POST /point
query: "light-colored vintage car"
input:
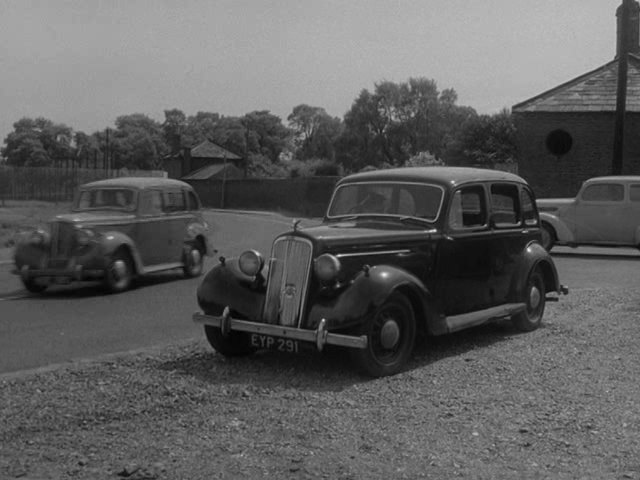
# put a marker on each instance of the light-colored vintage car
(117, 229)
(605, 212)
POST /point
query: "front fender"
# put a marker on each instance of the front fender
(535, 256)
(112, 241)
(563, 232)
(367, 291)
(225, 285)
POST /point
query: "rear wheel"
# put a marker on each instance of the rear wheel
(534, 298)
(390, 335)
(548, 237)
(33, 286)
(193, 261)
(118, 276)
(235, 344)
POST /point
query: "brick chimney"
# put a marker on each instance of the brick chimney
(186, 161)
(633, 31)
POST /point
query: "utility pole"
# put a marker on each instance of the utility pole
(621, 93)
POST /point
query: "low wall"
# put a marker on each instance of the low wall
(307, 196)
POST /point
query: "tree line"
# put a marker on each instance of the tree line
(397, 124)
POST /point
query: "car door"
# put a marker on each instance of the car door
(464, 265)
(151, 238)
(600, 214)
(177, 216)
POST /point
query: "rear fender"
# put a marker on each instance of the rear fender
(563, 232)
(196, 232)
(368, 290)
(535, 257)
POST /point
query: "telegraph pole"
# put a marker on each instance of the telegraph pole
(621, 93)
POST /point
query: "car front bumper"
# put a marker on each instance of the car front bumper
(59, 275)
(320, 336)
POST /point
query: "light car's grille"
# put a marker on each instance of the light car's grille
(289, 270)
(62, 239)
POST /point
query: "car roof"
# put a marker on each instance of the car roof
(137, 183)
(615, 178)
(445, 176)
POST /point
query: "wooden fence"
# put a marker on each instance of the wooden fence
(56, 184)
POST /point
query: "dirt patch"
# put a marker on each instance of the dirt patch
(561, 402)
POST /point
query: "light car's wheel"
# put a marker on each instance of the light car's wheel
(31, 285)
(390, 335)
(548, 237)
(534, 298)
(236, 344)
(118, 275)
(193, 261)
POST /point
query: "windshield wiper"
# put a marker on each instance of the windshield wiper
(415, 221)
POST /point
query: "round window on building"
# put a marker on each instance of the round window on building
(559, 142)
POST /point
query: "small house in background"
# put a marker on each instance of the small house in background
(566, 135)
(207, 159)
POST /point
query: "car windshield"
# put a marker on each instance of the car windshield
(383, 198)
(106, 199)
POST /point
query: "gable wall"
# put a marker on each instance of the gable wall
(590, 155)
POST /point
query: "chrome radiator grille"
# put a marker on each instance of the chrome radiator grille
(63, 239)
(289, 270)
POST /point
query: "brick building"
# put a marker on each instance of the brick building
(566, 135)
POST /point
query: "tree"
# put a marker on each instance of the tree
(38, 142)
(173, 129)
(316, 132)
(138, 142)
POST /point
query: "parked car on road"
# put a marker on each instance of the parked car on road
(117, 230)
(605, 212)
(400, 253)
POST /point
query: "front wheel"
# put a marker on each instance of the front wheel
(33, 286)
(390, 335)
(119, 273)
(534, 298)
(235, 344)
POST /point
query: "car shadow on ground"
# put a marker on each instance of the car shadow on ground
(330, 370)
(93, 288)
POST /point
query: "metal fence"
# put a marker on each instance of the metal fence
(56, 184)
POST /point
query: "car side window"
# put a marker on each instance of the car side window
(174, 201)
(194, 201)
(505, 205)
(528, 208)
(151, 202)
(634, 193)
(603, 192)
(468, 208)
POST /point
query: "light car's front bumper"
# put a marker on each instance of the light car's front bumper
(319, 336)
(59, 275)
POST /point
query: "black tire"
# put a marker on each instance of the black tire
(236, 344)
(34, 287)
(548, 236)
(534, 298)
(193, 261)
(391, 333)
(119, 273)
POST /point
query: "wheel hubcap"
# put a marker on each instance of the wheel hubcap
(534, 297)
(195, 257)
(389, 334)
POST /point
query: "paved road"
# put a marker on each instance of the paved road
(71, 323)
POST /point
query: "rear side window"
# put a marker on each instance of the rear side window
(151, 202)
(174, 201)
(505, 205)
(528, 208)
(634, 193)
(604, 192)
(194, 202)
(468, 208)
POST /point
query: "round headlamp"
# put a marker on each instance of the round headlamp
(84, 236)
(327, 267)
(251, 263)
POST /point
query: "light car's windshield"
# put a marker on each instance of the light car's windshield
(106, 199)
(384, 198)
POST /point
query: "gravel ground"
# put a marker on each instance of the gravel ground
(561, 403)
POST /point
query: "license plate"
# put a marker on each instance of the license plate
(287, 345)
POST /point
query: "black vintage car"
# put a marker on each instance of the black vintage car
(400, 253)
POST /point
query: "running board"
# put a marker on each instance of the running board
(466, 320)
(161, 267)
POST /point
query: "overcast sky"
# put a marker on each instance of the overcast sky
(85, 62)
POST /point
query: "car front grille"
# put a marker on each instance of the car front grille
(63, 239)
(289, 270)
